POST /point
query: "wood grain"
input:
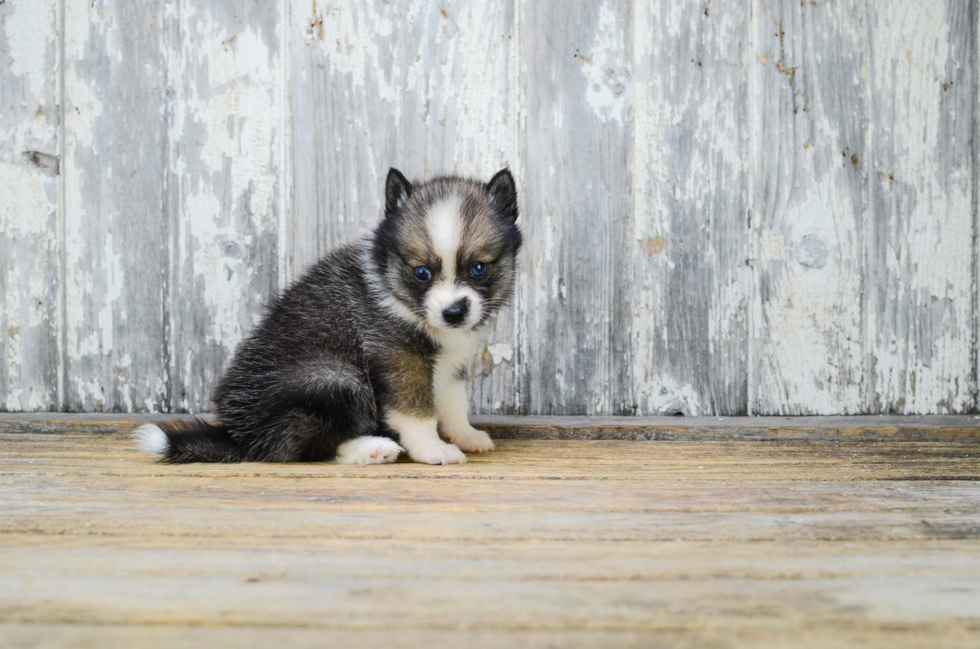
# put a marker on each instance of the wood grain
(429, 88)
(691, 284)
(808, 209)
(728, 544)
(29, 225)
(904, 428)
(923, 199)
(576, 329)
(116, 241)
(766, 208)
(225, 168)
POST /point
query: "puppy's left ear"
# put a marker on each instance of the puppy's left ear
(503, 194)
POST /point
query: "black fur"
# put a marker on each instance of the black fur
(328, 356)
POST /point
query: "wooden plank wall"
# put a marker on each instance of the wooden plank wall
(763, 208)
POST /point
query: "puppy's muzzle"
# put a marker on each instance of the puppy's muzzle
(455, 313)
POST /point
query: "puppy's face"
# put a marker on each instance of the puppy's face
(446, 250)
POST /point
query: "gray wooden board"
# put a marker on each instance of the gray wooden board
(950, 428)
(29, 226)
(808, 207)
(765, 208)
(691, 285)
(576, 322)
(116, 242)
(425, 87)
(225, 143)
(923, 192)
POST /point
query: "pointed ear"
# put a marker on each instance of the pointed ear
(503, 193)
(397, 189)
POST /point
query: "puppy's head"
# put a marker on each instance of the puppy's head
(446, 250)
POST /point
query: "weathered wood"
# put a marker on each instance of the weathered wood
(29, 225)
(430, 88)
(712, 543)
(766, 209)
(225, 140)
(922, 187)
(808, 207)
(117, 233)
(576, 330)
(691, 284)
(948, 428)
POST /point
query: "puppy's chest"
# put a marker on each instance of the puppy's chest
(455, 355)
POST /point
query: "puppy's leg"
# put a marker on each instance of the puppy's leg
(420, 437)
(452, 406)
(336, 415)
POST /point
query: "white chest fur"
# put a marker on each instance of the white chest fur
(457, 351)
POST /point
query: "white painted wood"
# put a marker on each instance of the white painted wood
(116, 243)
(29, 171)
(429, 88)
(576, 316)
(922, 289)
(729, 208)
(691, 284)
(810, 105)
(225, 94)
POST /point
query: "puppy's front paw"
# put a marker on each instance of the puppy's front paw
(472, 440)
(440, 453)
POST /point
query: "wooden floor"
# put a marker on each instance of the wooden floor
(542, 543)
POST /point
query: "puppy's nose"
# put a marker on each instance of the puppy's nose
(455, 313)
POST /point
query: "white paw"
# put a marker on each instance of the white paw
(472, 440)
(439, 453)
(368, 450)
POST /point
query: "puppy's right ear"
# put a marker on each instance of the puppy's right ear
(397, 190)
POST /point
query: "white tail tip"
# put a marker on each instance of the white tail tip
(150, 439)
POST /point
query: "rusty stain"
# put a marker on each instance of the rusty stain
(13, 331)
(445, 14)
(317, 23)
(806, 145)
(854, 159)
(761, 58)
(890, 177)
(789, 72)
(653, 245)
(229, 41)
(40, 109)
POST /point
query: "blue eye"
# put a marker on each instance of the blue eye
(423, 274)
(479, 268)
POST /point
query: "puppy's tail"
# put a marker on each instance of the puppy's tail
(194, 440)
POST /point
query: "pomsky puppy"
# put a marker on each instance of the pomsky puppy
(365, 355)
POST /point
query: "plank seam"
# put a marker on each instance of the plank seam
(61, 219)
(286, 135)
(750, 178)
(868, 245)
(521, 367)
(975, 267)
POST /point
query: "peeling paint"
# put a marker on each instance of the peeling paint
(763, 216)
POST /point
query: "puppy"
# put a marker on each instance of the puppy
(364, 356)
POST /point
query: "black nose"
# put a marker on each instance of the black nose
(455, 313)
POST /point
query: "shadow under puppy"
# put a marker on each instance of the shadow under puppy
(365, 355)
